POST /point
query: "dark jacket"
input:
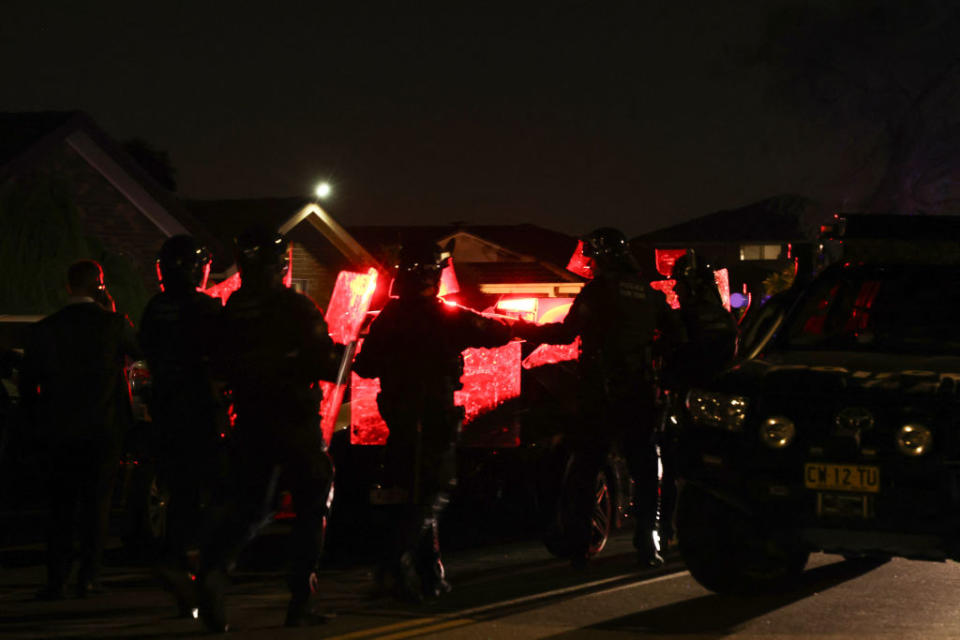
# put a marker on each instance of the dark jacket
(177, 335)
(414, 347)
(72, 381)
(617, 316)
(272, 349)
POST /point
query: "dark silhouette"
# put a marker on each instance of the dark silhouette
(274, 347)
(414, 347)
(176, 334)
(73, 388)
(617, 316)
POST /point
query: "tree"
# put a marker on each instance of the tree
(41, 237)
(886, 69)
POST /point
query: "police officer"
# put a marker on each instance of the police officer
(710, 331)
(273, 348)
(707, 342)
(177, 331)
(617, 316)
(414, 347)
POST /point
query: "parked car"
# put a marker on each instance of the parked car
(842, 434)
(511, 459)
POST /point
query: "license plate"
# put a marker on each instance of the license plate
(841, 477)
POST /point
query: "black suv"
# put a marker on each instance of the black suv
(842, 434)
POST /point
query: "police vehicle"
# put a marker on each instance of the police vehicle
(840, 433)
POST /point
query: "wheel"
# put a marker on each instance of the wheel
(727, 552)
(146, 512)
(556, 539)
(602, 515)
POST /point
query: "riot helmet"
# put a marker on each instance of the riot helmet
(183, 264)
(262, 256)
(419, 267)
(693, 275)
(609, 250)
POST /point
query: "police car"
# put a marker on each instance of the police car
(841, 435)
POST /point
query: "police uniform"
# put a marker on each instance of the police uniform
(415, 347)
(176, 334)
(617, 316)
(273, 348)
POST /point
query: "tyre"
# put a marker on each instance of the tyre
(728, 552)
(146, 512)
(556, 538)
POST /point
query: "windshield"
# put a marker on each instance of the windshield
(902, 310)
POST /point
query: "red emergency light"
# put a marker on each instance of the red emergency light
(581, 264)
(349, 303)
(665, 259)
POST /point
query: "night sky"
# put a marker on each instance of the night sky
(636, 117)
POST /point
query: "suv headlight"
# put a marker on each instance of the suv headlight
(721, 410)
(777, 432)
(914, 440)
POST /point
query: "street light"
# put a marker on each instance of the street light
(322, 190)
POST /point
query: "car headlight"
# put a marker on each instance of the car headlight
(717, 409)
(914, 440)
(777, 432)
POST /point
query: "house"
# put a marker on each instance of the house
(752, 242)
(108, 207)
(321, 248)
(490, 261)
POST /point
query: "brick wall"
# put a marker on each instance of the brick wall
(107, 215)
(316, 261)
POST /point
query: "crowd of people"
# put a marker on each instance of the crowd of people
(268, 347)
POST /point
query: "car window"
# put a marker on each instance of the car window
(914, 310)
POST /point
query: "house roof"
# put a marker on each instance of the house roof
(26, 138)
(225, 219)
(537, 242)
(777, 219)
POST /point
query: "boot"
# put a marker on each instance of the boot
(648, 548)
(408, 587)
(432, 573)
(210, 601)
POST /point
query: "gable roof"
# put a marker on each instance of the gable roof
(774, 220)
(530, 240)
(27, 138)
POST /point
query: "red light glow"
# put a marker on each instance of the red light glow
(521, 305)
(448, 280)
(666, 286)
(225, 289)
(552, 354)
(665, 259)
(366, 425)
(490, 378)
(580, 264)
(722, 278)
(349, 303)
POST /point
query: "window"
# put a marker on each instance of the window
(759, 252)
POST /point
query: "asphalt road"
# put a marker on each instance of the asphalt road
(514, 591)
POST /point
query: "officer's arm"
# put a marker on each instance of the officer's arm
(480, 331)
(369, 362)
(319, 348)
(565, 332)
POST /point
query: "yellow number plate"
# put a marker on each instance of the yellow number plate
(841, 477)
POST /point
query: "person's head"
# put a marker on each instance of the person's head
(85, 278)
(419, 267)
(609, 250)
(691, 274)
(183, 264)
(262, 257)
